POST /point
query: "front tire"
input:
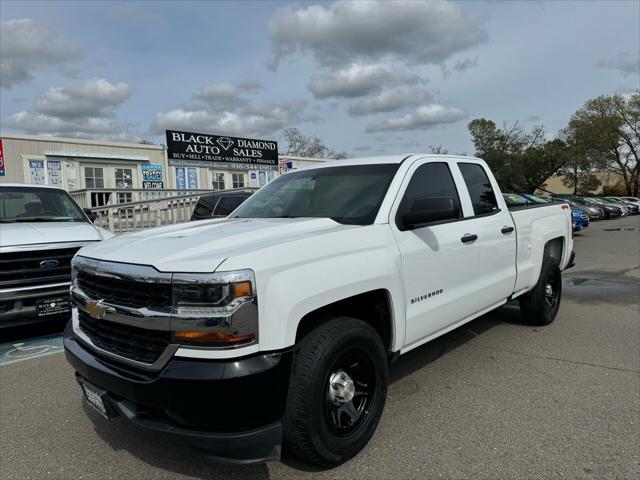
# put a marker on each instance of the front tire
(540, 306)
(337, 392)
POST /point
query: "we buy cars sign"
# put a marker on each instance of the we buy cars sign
(1, 159)
(187, 149)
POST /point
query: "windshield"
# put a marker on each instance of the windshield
(351, 194)
(31, 204)
(514, 200)
(579, 201)
(536, 198)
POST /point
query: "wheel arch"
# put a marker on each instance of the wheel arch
(554, 248)
(374, 307)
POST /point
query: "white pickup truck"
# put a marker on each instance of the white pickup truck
(41, 229)
(275, 326)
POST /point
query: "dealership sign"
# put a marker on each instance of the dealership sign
(152, 177)
(202, 150)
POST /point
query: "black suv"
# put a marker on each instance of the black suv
(220, 204)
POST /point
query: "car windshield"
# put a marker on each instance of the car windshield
(33, 204)
(536, 198)
(349, 194)
(514, 200)
(580, 201)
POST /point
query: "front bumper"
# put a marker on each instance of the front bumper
(232, 409)
(18, 305)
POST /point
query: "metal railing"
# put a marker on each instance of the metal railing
(134, 216)
(102, 197)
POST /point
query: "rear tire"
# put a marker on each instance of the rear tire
(540, 305)
(337, 392)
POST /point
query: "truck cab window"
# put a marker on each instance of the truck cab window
(482, 195)
(431, 185)
(226, 205)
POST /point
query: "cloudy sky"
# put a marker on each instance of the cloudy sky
(366, 77)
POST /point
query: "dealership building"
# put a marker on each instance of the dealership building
(103, 172)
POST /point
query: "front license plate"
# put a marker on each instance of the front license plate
(52, 306)
(95, 400)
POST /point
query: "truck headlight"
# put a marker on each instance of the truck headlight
(216, 310)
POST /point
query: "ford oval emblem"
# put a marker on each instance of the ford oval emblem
(49, 263)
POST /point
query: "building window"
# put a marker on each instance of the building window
(124, 178)
(93, 177)
(124, 198)
(218, 181)
(237, 180)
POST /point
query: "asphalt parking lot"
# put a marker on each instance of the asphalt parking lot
(493, 399)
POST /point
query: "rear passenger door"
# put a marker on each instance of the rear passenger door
(488, 218)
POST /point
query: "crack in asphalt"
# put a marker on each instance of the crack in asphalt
(544, 357)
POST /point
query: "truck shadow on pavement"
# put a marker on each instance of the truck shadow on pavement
(161, 452)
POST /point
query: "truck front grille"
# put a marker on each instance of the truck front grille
(126, 293)
(140, 345)
(35, 267)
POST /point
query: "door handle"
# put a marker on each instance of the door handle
(507, 229)
(469, 238)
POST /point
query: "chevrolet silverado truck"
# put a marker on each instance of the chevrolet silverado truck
(41, 229)
(275, 326)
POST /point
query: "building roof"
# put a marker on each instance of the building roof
(79, 141)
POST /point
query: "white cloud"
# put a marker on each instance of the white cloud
(357, 80)
(37, 123)
(426, 116)
(389, 100)
(88, 99)
(368, 31)
(27, 46)
(626, 62)
(225, 109)
(85, 109)
(224, 96)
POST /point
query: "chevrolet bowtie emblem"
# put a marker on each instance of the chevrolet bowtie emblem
(95, 309)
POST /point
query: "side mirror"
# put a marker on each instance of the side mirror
(429, 210)
(89, 213)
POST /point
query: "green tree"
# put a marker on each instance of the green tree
(521, 161)
(580, 173)
(607, 130)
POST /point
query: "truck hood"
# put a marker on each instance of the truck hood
(29, 233)
(202, 246)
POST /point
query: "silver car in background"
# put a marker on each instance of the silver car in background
(602, 201)
(633, 208)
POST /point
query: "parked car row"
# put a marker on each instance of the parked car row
(583, 209)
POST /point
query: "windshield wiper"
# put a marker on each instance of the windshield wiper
(7, 221)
